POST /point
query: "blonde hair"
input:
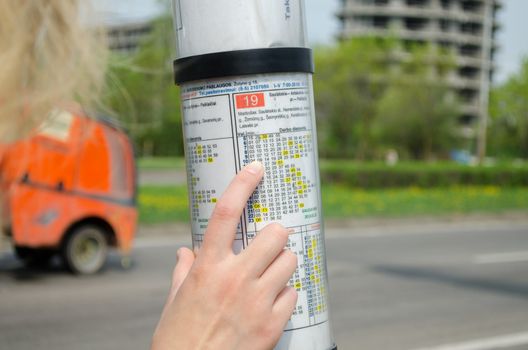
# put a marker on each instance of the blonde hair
(49, 55)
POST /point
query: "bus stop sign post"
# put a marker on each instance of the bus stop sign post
(245, 74)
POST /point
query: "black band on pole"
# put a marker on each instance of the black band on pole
(243, 62)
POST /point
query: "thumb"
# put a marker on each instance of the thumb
(181, 270)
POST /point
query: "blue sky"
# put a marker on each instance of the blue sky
(323, 25)
(512, 38)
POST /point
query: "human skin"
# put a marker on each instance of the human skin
(219, 300)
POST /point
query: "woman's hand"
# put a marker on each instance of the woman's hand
(219, 300)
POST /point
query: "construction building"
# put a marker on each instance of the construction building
(125, 36)
(466, 28)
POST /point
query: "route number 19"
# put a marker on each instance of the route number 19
(250, 100)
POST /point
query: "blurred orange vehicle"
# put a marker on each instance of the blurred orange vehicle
(70, 189)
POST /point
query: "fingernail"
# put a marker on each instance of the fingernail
(255, 168)
(178, 253)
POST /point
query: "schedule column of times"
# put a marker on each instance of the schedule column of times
(210, 149)
(227, 127)
(275, 127)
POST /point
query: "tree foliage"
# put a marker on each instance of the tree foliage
(143, 95)
(508, 130)
(371, 95)
(349, 81)
(418, 113)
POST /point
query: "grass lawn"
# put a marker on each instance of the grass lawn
(170, 203)
(158, 204)
(161, 163)
(341, 202)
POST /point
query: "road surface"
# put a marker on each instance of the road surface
(436, 286)
(168, 177)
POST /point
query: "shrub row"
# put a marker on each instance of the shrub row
(379, 175)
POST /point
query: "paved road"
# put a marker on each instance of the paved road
(169, 177)
(463, 285)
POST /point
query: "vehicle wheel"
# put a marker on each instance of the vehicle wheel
(85, 249)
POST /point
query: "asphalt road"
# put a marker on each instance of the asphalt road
(168, 177)
(441, 286)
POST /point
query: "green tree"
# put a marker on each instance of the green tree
(418, 120)
(372, 94)
(508, 129)
(143, 94)
(418, 113)
(349, 81)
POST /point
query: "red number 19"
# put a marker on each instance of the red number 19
(250, 100)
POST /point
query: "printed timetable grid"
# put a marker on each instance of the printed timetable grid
(286, 185)
(204, 155)
(288, 189)
(244, 127)
(308, 280)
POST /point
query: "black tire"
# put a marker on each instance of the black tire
(85, 250)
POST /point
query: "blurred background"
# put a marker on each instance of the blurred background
(422, 110)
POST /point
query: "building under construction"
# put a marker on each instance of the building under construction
(465, 28)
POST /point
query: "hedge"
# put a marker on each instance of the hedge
(379, 175)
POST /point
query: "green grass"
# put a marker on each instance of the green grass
(342, 202)
(170, 203)
(158, 204)
(161, 163)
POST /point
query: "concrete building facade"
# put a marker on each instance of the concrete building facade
(125, 36)
(466, 28)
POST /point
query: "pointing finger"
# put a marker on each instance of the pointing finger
(220, 233)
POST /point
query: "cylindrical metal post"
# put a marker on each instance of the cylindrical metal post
(246, 89)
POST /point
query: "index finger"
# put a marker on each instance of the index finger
(220, 232)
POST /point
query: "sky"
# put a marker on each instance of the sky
(323, 25)
(512, 38)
